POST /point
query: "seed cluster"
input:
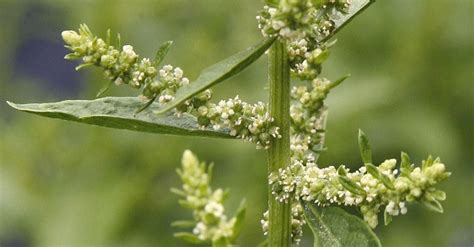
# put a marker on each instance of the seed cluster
(210, 222)
(250, 122)
(370, 188)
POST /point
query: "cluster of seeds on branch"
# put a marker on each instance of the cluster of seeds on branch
(370, 188)
(302, 24)
(250, 122)
(210, 223)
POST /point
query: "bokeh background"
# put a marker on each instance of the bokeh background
(67, 184)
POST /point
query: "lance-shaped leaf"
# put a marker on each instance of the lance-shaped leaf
(239, 218)
(433, 205)
(340, 19)
(351, 186)
(219, 72)
(119, 113)
(364, 147)
(162, 51)
(374, 171)
(334, 227)
(189, 237)
(405, 165)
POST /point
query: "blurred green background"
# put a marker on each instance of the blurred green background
(66, 184)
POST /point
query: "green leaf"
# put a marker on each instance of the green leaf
(351, 185)
(221, 242)
(183, 224)
(104, 89)
(342, 171)
(118, 113)
(364, 147)
(433, 205)
(239, 219)
(334, 227)
(405, 165)
(386, 181)
(338, 81)
(162, 51)
(387, 218)
(340, 19)
(189, 237)
(219, 72)
(374, 171)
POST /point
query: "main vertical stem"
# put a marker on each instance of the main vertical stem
(279, 232)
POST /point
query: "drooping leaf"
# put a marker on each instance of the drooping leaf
(219, 72)
(340, 19)
(334, 227)
(364, 147)
(433, 205)
(118, 113)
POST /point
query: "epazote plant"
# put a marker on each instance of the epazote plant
(297, 36)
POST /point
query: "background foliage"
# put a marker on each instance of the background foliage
(68, 184)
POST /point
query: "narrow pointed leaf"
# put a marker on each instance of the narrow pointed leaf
(189, 237)
(221, 242)
(386, 181)
(405, 165)
(147, 104)
(387, 218)
(104, 89)
(340, 19)
(372, 170)
(334, 227)
(162, 51)
(364, 147)
(183, 224)
(351, 185)
(338, 81)
(239, 218)
(219, 72)
(118, 113)
(433, 205)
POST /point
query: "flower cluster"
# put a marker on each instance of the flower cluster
(303, 24)
(210, 223)
(120, 66)
(246, 121)
(370, 188)
(250, 122)
(308, 116)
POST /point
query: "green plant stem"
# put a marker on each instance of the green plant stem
(279, 232)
